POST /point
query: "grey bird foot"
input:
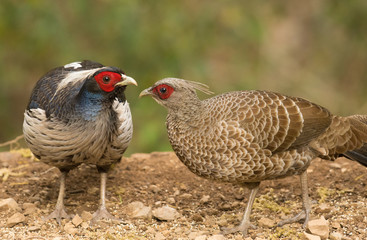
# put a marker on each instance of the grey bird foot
(58, 214)
(102, 213)
(300, 216)
(240, 228)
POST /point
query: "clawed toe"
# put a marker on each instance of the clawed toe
(58, 214)
(300, 216)
(240, 228)
(102, 213)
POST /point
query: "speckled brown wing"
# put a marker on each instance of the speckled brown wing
(282, 123)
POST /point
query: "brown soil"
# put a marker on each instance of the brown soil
(338, 191)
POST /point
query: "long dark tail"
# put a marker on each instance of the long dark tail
(359, 155)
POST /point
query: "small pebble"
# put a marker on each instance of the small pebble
(138, 210)
(77, 220)
(86, 216)
(319, 227)
(205, 199)
(336, 236)
(34, 228)
(171, 200)
(165, 213)
(308, 236)
(217, 237)
(186, 196)
(159, 236)
(9, 204)
(70, 229)
(15, 219)
(266, 222)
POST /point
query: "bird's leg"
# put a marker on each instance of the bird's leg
(245, 223)
(305, 213)
(59, 211)
(102, 212)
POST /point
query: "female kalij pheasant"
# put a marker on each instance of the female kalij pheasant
(246, 137)
(78, 114)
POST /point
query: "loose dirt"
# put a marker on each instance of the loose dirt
(338, 191)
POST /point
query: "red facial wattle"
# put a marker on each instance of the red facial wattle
(108, 80)
(163, 91)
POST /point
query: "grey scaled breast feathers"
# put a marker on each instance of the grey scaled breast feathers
(245, 137)
(77, 114)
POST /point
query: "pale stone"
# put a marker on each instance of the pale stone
(85, 225)
(335, 165)
(319, 227)
(205, 199)
(266, 222)
(193, 235)
(9, 204)
(323, 208)
(138, 210)
(217, 237)
(86, 216)
(336, 236)
(311, 237)
(28, 205)
(77, 220)
(335, 225)
(29, 208)
(186, 196)
(201, 237)
(171, 200)
(70, 229)
(34, 228)
(15, 219)
(159, 236)
(154, 188)
(165, 213)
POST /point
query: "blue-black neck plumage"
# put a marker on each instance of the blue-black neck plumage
(90, 102)
(88, 105)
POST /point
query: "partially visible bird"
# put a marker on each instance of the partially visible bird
(77, 114)
(245, 137)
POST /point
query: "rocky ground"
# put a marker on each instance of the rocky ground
(156, 197)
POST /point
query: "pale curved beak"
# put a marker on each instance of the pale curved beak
(146, 92)
(126, 80)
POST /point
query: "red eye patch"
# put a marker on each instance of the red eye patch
(107, 80)
(163, 91)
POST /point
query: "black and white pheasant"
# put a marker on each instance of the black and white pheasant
(78, 114)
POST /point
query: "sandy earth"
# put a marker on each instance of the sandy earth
(338, 191)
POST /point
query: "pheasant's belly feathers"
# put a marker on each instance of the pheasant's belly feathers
(66, 144)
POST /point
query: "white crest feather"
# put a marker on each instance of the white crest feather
(74, 65)
(75, 77)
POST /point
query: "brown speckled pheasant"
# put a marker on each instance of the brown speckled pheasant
(246, 137)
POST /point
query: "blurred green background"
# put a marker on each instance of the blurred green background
(312, 49)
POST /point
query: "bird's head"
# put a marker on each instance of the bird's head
(110, 81)
(172, 93)
(87, 78)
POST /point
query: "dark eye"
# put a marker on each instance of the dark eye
(106, 79)
(163, 90)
